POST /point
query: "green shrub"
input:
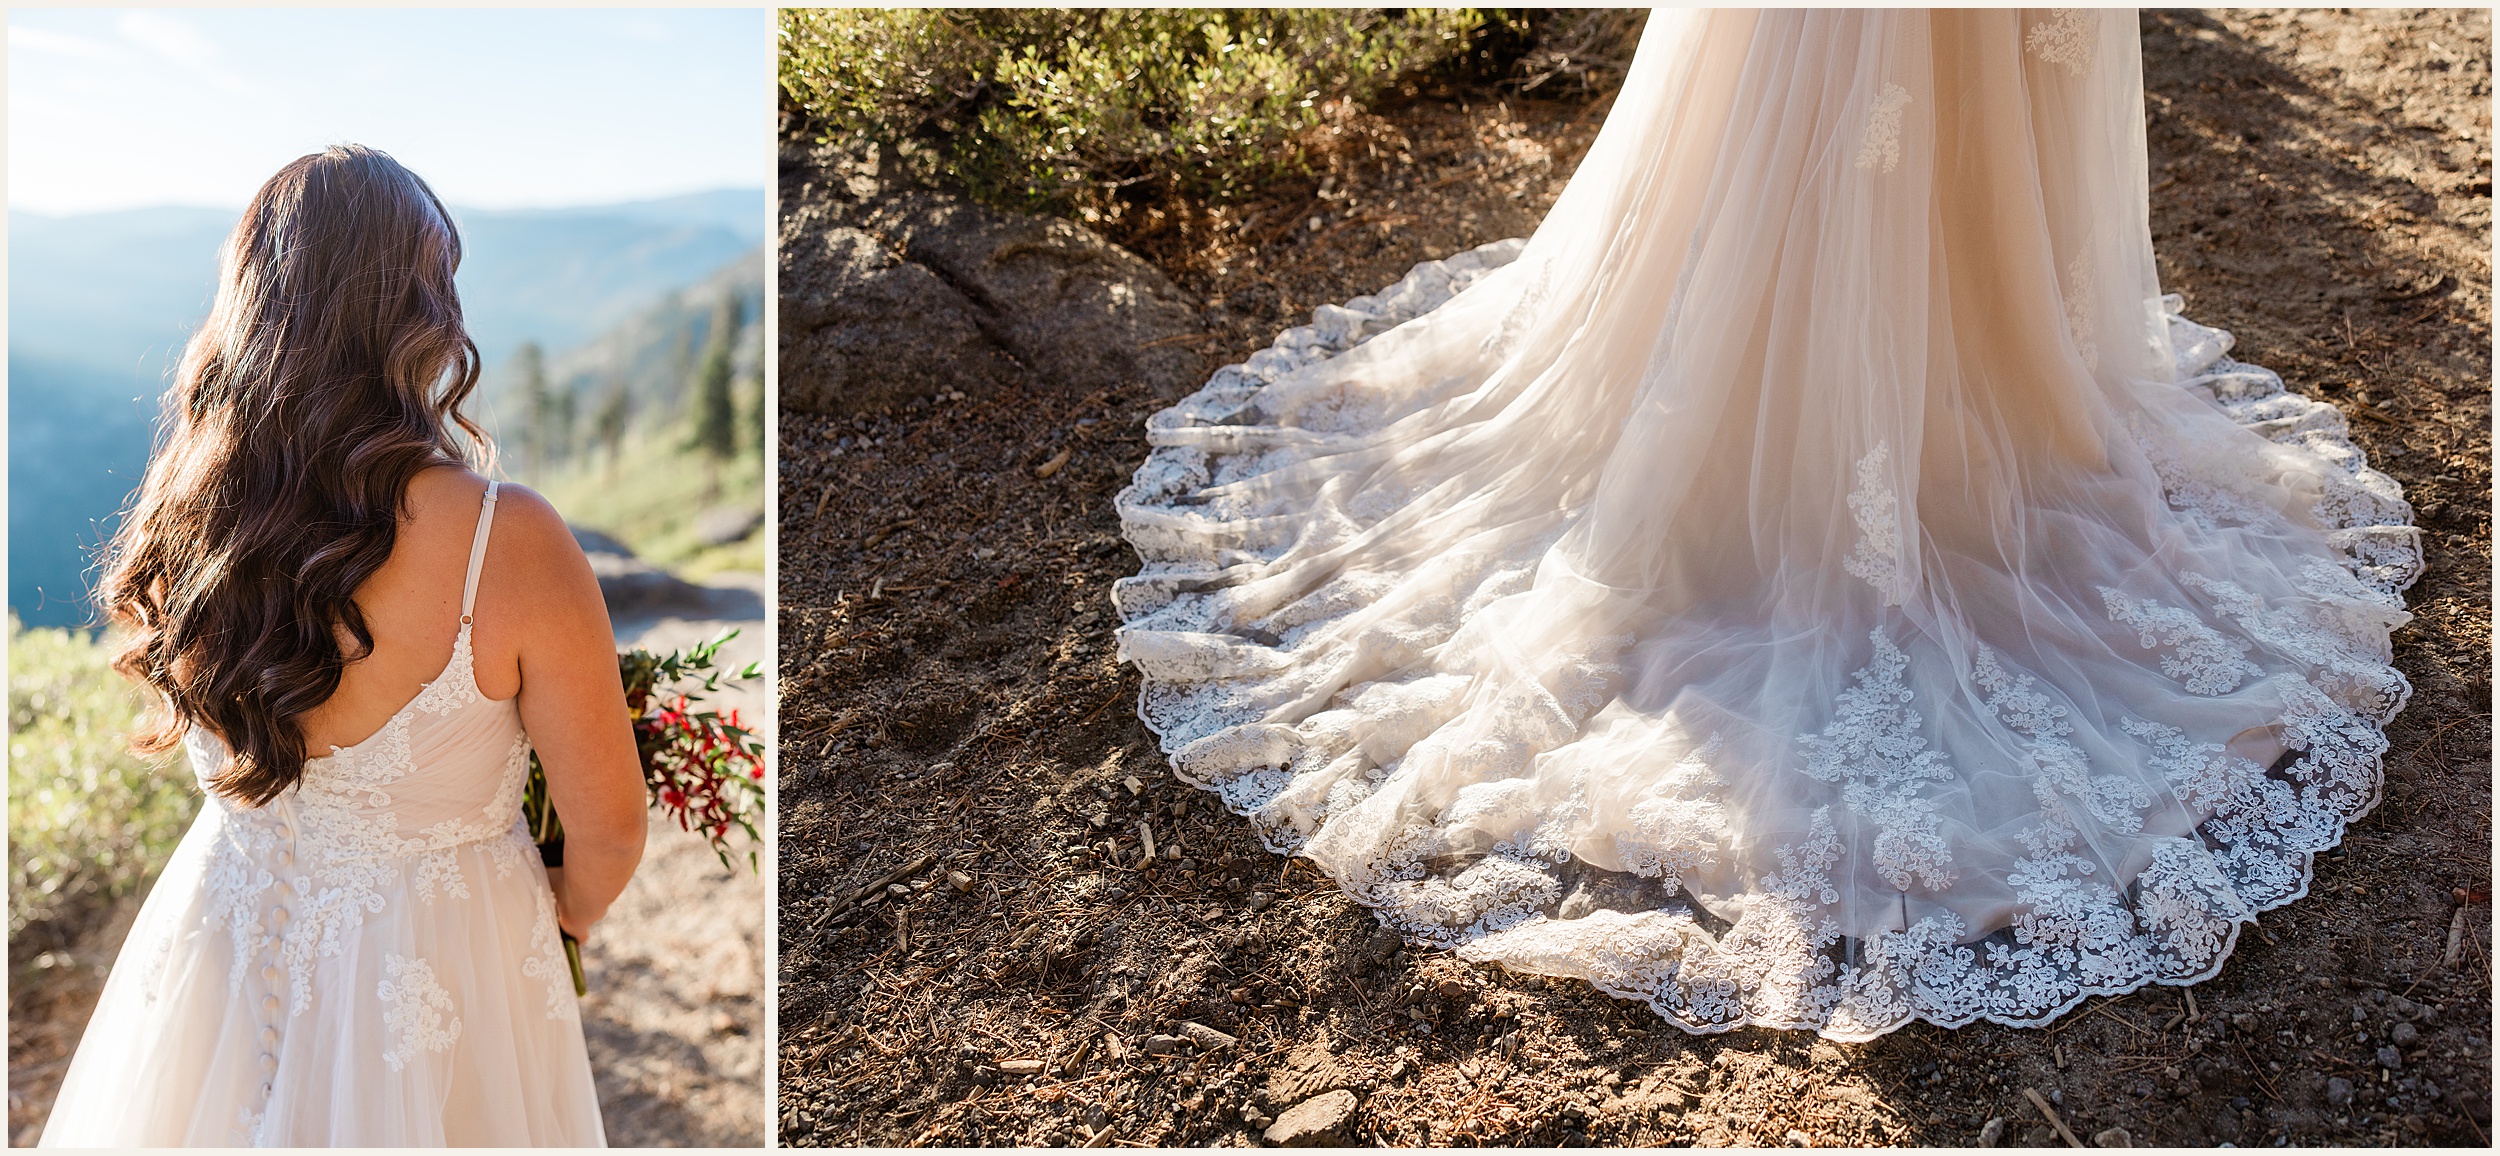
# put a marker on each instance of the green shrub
(89, 822)
(1060, 110)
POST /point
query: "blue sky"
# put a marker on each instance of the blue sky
(496, 108)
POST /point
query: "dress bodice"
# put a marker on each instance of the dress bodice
(447, 769)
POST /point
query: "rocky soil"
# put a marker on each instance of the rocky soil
(971, 954)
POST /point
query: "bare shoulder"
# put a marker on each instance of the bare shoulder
(530, 534)
(445, 494)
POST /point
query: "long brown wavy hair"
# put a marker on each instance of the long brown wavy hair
(329, 373)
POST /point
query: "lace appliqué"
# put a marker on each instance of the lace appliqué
(234, 884)
(414, 1007)
(1872, 747)
(347, 841)
(2066, 39)
(1881, 150)
(2117, 802)
(1876, 557)
(438, 869)
(1222, 663)
(247, 1127)
(2201, 658)
(545, 962)
(1679, 827)
(2081, 288)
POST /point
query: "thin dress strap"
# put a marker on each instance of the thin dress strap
(477, 553)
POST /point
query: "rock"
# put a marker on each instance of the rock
(593, 542)
(1318, 1122)
(1798, 1139)
(1992, 1133)
(722, 525)
(2113, 1138)
(890, 293)
(1260, 900)
(1452, 989)
(2404, 1035)
(1162, 1045)
(632, 587)
(1384, 944)
(2391, 1059)
(1206, 1037)
(2338, 1091)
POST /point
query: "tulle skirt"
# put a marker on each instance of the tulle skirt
(1816, 581)
(434, 1007)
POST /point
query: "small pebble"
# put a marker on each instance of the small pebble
(2391, 1059)
(1206, 1037)
(2113, 1138)
(2404, 1035)
(2338, 1091)
(1992, 1133)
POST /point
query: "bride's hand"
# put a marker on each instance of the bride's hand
(569, 913)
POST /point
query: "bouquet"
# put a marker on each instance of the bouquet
(703, 768)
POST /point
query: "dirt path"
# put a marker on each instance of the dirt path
(675, 1017)
(2322, 186)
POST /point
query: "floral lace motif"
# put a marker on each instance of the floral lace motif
(545, 962)
(2066, 39)
(2200, 657)
(414, 1008)
(1882, 148)
(1873, 749)
(347, 843)
(1491, 873)
(2081, 287)
(247, 1128)
(1877, 511)
(1678, 828)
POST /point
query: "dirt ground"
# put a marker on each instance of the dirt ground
(675, 1015)
(2321, 186)
(674, 1019)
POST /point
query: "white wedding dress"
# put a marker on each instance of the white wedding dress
(1815, 582)
(372, 959)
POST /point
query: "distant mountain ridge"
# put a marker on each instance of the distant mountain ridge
(100, 305)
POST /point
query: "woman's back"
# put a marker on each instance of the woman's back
(359, 643)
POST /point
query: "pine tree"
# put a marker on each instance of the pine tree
(715, 403)
(529, 364)
(608, 425)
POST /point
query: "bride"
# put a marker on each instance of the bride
(358, 947)
(1815, 582)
